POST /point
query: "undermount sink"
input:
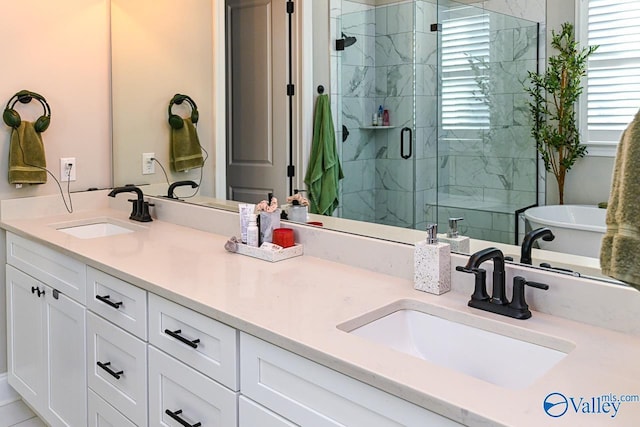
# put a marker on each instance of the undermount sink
(489, 356)
(94, 228)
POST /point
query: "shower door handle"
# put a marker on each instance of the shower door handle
(406, 156)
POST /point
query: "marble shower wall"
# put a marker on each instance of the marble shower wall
(395, 87)
(494, 169)
(394, 66)
(355, 72)
(481, 175)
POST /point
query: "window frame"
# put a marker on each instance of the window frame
(595, 148)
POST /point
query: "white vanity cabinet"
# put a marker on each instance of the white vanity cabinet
(253, 414)
(180, 395)
(46, 349)
(199, 341)
(193, 367)
(101, 414)
(117, 368)
(307, 393)
(137, 359)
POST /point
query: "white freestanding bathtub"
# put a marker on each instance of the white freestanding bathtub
(578, 229)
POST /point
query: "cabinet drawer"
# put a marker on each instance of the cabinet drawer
(178, 392)
(199, 341)
(101, 414)
(252, 415)
(118, 301)
(116, 365)
(310, 394)
(49, 266)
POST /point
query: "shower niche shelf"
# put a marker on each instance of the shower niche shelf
(378, 127)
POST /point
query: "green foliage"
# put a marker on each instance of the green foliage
(552, 106)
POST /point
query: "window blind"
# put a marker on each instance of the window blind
(613, 76)
(465, 59)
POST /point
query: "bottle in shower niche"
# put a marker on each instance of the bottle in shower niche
(380, 115)
(385, 118)
(252, 231)
(432, 264)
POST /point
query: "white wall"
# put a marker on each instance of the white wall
(59, 49)
(160, 49)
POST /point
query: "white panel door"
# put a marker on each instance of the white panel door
(257, 128)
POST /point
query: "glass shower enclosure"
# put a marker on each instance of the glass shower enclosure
(458, 141)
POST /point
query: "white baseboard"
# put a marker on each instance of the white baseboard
(7, 393)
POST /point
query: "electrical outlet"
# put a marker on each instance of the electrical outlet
(67, 169)
(148, 164)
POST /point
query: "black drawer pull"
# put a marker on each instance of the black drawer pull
(176, 334)
(111, 372)
(105, 299)
(182, 422)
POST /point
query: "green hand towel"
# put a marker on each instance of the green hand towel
(26, 156)
(324, 171)
(620, 253)
(186, 152)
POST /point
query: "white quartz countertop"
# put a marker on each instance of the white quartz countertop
(297, 304)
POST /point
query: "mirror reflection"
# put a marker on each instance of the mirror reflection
(456, 141)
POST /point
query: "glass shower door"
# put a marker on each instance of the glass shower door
(377, 72)
(486, 154)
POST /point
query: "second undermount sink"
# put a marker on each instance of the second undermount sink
(94, 228)
(498, 359)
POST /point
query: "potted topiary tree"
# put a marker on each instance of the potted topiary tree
(552, 106)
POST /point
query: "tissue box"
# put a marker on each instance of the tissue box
(432, 267)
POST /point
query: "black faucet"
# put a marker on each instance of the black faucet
(173, 186)
(529, 238)
(498, 302)
(498, 295)
(140, 211)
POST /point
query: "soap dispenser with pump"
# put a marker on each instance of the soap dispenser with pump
(460, 244)
(432, 264)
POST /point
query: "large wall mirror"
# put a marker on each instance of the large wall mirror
(477, 162)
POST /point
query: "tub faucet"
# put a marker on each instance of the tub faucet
(140, 210)
(498, 302)
(529, 238)
(173, 186)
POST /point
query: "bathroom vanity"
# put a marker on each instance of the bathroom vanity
(159, 325)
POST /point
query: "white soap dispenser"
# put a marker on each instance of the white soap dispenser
(460, 244)
(432, 264)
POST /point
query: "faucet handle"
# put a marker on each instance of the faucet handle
(518, 302)
(480, 285)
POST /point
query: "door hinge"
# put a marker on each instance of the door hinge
(290, 7)
(291, 171)
(291, 90)
(436, 27)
